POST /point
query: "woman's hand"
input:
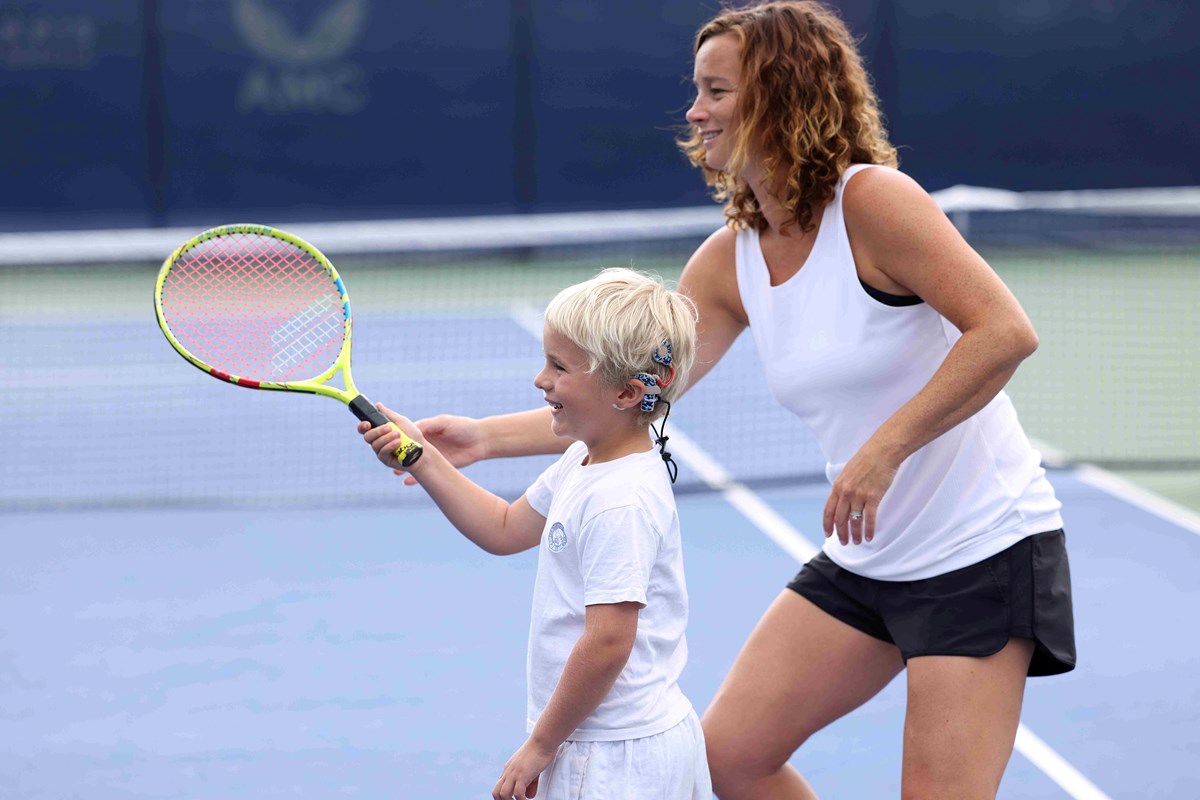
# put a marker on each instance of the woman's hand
(460, 439)
(856, 493)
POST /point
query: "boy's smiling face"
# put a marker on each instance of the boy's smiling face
(580, 403)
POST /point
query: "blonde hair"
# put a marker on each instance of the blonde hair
(620, 318)
(807, 108)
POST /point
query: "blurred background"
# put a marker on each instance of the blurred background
(208, 592)
(125, 113)
(460, 160)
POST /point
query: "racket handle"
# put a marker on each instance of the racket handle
(408, 452)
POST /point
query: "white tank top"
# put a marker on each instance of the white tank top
(843, 362)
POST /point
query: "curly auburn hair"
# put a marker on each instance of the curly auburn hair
(807, 107)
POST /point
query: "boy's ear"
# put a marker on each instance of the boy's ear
(631, 394)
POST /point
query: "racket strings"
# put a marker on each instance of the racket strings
(304, 336)
(256, 307)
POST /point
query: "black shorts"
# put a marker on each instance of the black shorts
(1023, 592)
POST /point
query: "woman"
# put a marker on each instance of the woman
(887, 334)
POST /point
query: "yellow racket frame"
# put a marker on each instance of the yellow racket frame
(407, 453)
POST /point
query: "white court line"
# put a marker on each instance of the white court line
(1044, 758)
(1122, 489)
(752, 507)
(766, 519)
(1148, 501)
(780, 531)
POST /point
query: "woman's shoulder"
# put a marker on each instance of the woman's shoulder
(883, 203)
(878, 186)
(714, 259)
(710, 276)
(718, 246)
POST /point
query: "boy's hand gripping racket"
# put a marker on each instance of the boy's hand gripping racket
(261, 308)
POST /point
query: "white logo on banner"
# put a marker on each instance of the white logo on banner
(302, 72)
(30, 39)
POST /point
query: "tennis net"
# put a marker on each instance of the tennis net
(102, 413)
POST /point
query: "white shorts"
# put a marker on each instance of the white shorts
(671, 765)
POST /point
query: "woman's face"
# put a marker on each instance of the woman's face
(714, 113)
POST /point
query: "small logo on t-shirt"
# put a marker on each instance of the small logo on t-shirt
(557, 539)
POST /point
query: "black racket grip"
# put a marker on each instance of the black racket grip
(408, 452)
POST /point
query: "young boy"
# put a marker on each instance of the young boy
(606, 717)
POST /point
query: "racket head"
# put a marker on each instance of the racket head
(261, 308)
(257, 307)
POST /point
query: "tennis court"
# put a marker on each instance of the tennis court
(211, 593)
(372, 652)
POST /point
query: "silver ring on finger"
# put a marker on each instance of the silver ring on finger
(856, 515)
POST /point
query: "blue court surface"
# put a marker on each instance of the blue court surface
(369, 653)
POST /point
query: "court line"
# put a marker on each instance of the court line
(1060, 771)
(752, 507)
(1148, 501)
(783, 533)
(766, 519)
(1122, 489)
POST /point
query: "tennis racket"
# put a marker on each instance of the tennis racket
(257, 307)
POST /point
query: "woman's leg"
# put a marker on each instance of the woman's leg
(800, 670)
(961, 722)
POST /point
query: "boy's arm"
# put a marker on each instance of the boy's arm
(487, 520)
(609, 630)
(591, 670)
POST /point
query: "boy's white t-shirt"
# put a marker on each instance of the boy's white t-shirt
(611, 536)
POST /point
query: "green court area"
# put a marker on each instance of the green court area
(1115, 381)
